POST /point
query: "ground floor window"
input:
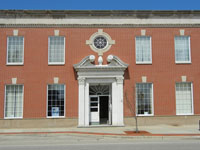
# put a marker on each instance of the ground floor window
(184, 102)
(56, 100)
(144, 98)
(14, 101)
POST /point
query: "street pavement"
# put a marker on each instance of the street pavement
(108, 130)
(116, 146)
(159, 137)
(64, 141)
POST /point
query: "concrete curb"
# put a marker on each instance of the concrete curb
(111, 135)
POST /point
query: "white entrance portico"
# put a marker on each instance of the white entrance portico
(110, 76)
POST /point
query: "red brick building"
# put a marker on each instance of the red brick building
(86, 68)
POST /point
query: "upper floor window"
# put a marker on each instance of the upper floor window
(182, 49)
(56, 54)
(143, 50)
(15, 50)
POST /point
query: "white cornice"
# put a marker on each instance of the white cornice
(97, 21)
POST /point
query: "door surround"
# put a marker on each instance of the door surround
(112, 74)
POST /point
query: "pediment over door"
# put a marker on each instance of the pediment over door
(114, 64)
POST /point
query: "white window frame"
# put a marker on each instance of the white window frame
(188, 114)
(183, 62)
(144, 62)
(16, 63)
(136, 109)
(55, 63)
(64, 103)
(5, 104)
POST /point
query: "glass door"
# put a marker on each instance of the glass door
(94, 110)
(100, 104)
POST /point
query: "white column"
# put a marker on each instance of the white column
(81, 102)
(117, 102)
(120, 101)
(87, 112)
(114, 104)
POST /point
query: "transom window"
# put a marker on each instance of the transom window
(15, 50)
(56, 100)
(143, 49)
(14, 101)
(144, 98)
(56, 50)
(182, 49)
(99, 89)
(184, 102)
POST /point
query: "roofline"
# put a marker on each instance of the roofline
(99, 13)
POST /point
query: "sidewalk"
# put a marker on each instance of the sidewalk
(159, 130)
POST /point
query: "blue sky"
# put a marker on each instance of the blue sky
(102, 4)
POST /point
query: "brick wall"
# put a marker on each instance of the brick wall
(35, 74)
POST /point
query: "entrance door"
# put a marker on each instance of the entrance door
(94, 110)
(100, 110)
(100, 104)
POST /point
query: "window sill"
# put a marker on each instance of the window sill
(181, 62)
(55, 64)
(143, 63)
(12, 118)
(59, 117)
(15, 64)
(145, 115)
(184, 114)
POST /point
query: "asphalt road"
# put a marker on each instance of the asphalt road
(111, 146)
(80, 142)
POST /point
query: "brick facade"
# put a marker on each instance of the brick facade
(36, 74)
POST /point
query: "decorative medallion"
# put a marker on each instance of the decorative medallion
(100, 42)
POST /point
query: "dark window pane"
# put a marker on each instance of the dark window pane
(93, 109)
(93, 104)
